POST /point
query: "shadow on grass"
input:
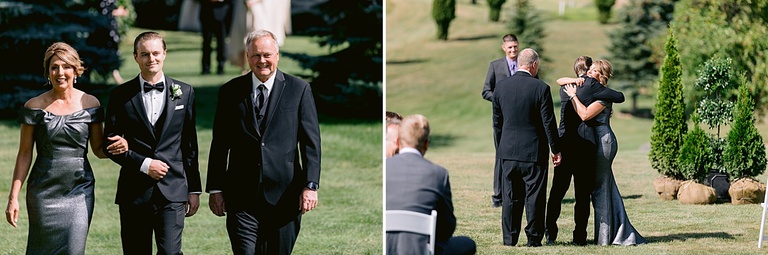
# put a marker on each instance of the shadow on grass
(474, 38)
(686, 236)
(572, 200)
(643, 113)
(405, 62)
(441, 140)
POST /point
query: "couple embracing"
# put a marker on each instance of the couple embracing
(589, 149)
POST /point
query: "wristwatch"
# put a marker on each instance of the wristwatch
(313, 186)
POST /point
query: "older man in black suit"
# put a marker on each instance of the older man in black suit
(264, 165)
(159, 181)
(418, 185)
(525, 122)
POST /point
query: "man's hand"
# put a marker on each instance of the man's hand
(216, 203)
(157, 169)
(556, 159)
(192, 204)
(118, 145)
(308, 200)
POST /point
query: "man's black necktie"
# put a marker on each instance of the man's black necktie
(159, 87)
(260, 96)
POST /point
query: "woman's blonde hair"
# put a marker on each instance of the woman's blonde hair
(67, 54)
(605, 69)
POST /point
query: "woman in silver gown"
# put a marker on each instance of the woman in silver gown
(612, 224)
(60, 122)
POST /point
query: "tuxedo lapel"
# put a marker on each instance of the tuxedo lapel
(170, 106)
(274, 98)
(138, 106)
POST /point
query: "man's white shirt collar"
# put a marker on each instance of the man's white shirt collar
(410, 150)
(269, 84)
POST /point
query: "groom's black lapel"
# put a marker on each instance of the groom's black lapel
(170, 106)
(138, 106)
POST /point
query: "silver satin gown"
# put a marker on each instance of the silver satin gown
(60, 185)
(611, 222)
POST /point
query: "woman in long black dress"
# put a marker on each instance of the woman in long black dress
(612, 225)
(60, 122)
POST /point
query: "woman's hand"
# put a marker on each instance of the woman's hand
(12, 212)
(570, 90)
(118, 145)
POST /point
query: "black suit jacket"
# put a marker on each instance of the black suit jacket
(279, 158)
(176, 145)
(570, 122)
(524, 119)
(497, 71)
(418, 185)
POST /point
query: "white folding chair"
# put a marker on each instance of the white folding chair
(413, 222)
(762, 236)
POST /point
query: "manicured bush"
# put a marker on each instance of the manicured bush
(744, 155)
(443, 11)
(494, 9)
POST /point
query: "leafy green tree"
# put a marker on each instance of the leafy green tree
(347, 81)
(528, 26)
(443, 11)
(744, 155)
(694, 153)
(634, 41)
(494, 9)
(734, 28)
(715, 107)
(669, 118)
(604, 10)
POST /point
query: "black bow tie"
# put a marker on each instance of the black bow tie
(148, 87)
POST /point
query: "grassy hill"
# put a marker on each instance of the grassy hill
(443, 79)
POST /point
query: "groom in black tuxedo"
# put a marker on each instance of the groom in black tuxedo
(579, 144)
(264, 166)
(159, 181)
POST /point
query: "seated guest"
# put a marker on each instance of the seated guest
(393, 125)
(418, 185)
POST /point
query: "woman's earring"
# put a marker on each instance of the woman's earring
(47, 83)
(75, 80)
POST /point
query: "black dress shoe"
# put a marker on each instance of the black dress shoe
(533, 244)
(580, 243)
(550, 242)
(496, 204)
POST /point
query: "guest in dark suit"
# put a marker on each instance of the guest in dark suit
(498, 70)
(159, 181)
(264, 166)
(579, 145)
(525, 122)
(418, 185)
(215, 21)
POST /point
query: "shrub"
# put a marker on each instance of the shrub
(744, 154)
(692, 160)
(604, 10)
(443, 11)
(494, 9)
(527, 24)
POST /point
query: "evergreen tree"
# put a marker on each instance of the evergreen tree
(443, 11)
(745, 151)
(604, 10)
(494, 9)
(527, 25)
(29, 27)
(634, 41)
(694, 154)
(669, 117)
(347, 81)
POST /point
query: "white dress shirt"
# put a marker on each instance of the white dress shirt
(154, 104)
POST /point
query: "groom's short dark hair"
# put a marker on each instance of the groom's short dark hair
(509, 38)
(582, 64)
(149, 35)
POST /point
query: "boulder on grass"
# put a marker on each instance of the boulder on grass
(746, 191)
(694, 193)
(666, 187)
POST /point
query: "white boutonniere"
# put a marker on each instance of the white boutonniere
(176, 92)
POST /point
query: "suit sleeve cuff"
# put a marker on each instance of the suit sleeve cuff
(214, 191)
(196, 193)
(145, 165)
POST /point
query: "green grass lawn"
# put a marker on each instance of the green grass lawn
(346, 221)
(442, 80)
